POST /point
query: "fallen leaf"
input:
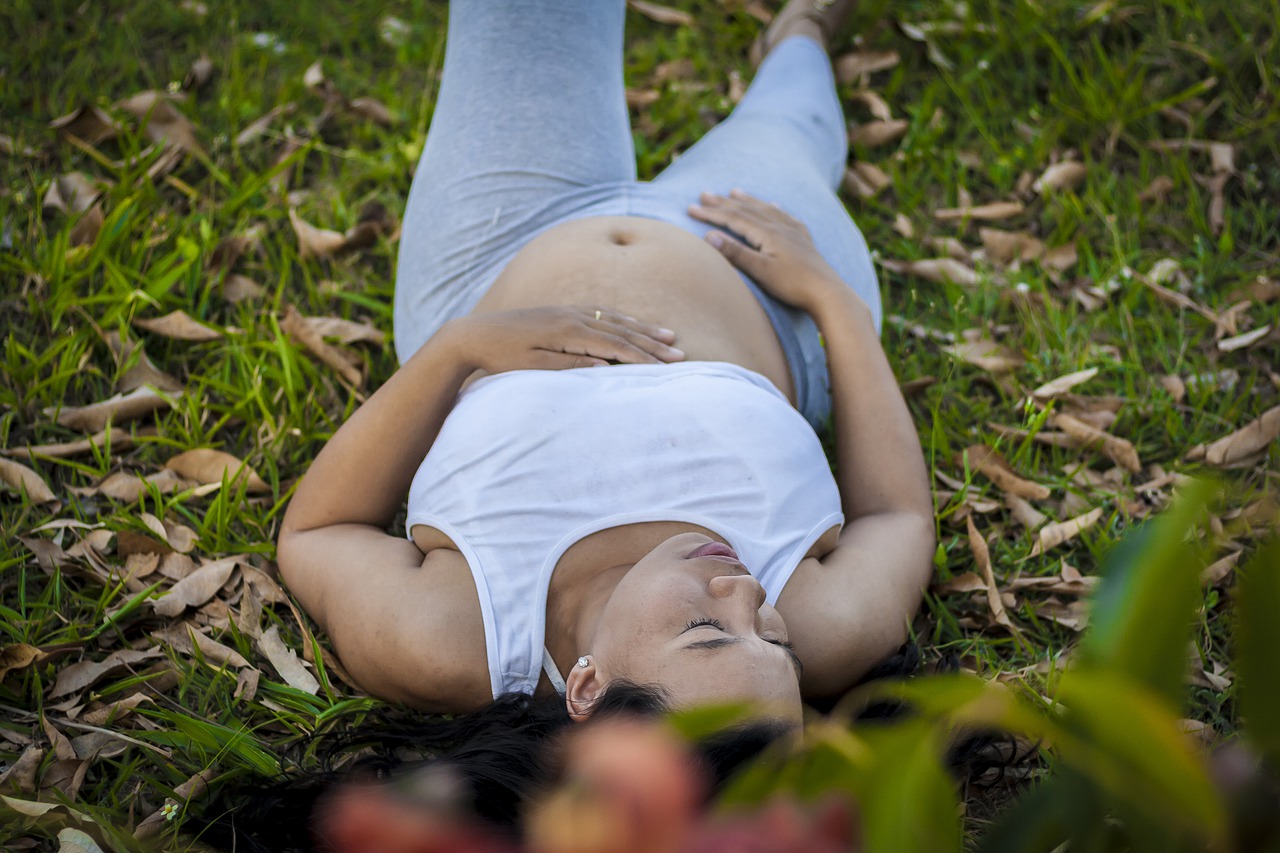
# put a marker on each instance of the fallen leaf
(285, 662)
(19, 656)
(84, 674)
(346, 331)
(72, 193)
(966, 582)
(1003, 247)
(1060, 258)
(1063, 384)
(258, 126)
(986, 354)
(164, 123)
(873, 134)
(1074, 615)
(179, 326)
(373, 110)
(939, 270)
(982, 557)
(903, 226)
(865, 180)
(72, 840)
(200, 74)
(851, 67)
(189, 790)
(994, 211)
(1218, 571)
(1053, 535)
(20, 776)
(296, 327)
(114, 410)
(89, 123)
(246, 684)
(639, 99)
(186, 639)
(130, 486)
(196, 588)
(993, 466)
(238, 288)
(315, 242)
(1251, 438)
(949, 246)
(662, 14)
(1060, 176)
(1244, 340)
(206, 465)
(1175, 386)
(1158, 190)
(1118, 450)
(21, 478)
(1023, 512)
(876, 105)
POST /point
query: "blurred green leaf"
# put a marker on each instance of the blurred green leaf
(1141, 620)
(700, 722)
(1257, 640)
(1065, 806)
(1127, 740)
(909, 803)
(969, 701)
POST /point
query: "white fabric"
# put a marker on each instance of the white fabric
(530, 462)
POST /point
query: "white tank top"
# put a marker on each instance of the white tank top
(530, 462)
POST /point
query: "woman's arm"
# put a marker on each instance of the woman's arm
(403, 622)
(853, 606)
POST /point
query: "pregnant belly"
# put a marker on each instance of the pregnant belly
(654, 271)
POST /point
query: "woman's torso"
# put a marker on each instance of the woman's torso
(654, 271)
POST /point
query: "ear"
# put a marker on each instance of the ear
(583, 689)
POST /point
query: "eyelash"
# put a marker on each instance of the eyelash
(715, 623)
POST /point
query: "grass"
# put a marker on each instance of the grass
(999, 92)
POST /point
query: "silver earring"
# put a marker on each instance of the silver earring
(583, 662)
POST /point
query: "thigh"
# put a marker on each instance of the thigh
(530, 123)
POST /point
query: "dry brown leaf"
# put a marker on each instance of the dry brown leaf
(992, 212)
(196, 588)
(1060, 258)
(1244, 340)
(238, 288)
(164, 123)
(1261, 290)
(1074, 615)
(200, 74)
(903, 226)
(662, 14)
(84, 674)
(373, 110)
(180, 326)
(851, 67)
(21, 775)
(951, 247)
(72, 193)
(1023, 512)
(1060, 176)
(988, 355)
(1063, 384)
(115, 711)
(1003, 247)
(247, 684)
(1053, 535)
(19, 656)
(258, 126)
(89, 123)
(296, 327)
(1175, 386)
(982, 556)
(1251, 438)
(1158, 190)
(315, 242)
(1218, 571)
(208, 466)
(189, 790)
(873, 134)
(876, 105)
(285, 662)
(117, 409)
(1118, 450)
(966, 582)
(313, 78)
(21, 478)
(994, 467)
(129, 487)
(185, 638)
(346, 331)
(939, 270)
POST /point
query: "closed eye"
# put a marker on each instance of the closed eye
(715, 644)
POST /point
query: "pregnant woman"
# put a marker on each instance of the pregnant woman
(606, 411)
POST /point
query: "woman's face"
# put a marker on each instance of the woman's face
(690, 618)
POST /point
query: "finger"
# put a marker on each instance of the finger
(607, 345)
(744, 225)
(554, 360)
(618, 320)
(736, 252)
(661, 350)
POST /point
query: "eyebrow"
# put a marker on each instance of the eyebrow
(722, 642)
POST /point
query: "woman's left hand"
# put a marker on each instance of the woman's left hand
(557, 337)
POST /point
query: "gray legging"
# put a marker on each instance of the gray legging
(530, 130)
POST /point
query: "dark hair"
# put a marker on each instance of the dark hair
(492, 762)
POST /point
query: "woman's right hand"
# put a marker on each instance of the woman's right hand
(557, 337)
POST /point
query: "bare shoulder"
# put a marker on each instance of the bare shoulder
(850, 609)
(406, 625)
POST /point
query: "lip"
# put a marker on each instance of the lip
(717, 550)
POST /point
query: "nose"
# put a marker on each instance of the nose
(739, 587)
